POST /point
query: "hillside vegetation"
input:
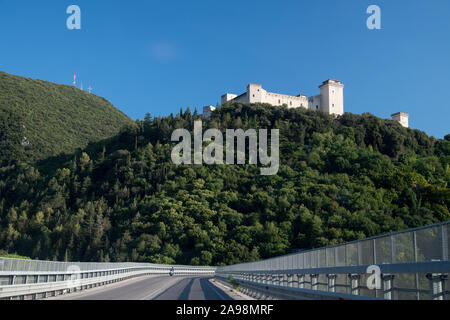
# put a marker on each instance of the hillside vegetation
(123, 199)
(39, 119)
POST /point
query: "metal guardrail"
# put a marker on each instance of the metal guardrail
(411, 264)
(32, 279)
(271, 291)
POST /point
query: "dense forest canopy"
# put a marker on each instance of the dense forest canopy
(122, 199)
(50, 119)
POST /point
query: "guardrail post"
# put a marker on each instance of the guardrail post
(301, 281)
(387, 285)
(258, 294)
(47, 279)
(436, 281)
(291, 280)
(354, 279)
(331, 282)
(315, 282)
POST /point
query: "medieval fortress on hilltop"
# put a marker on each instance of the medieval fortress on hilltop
(330, 100)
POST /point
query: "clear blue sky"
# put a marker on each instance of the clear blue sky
(158, 56)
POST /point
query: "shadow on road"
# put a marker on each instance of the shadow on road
(185, 293)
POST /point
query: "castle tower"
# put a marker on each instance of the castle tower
(255, 93)
(402, 118)
(207, 111)
(332, 97)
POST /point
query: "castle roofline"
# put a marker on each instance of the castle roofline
(404, 114)
(331, 81)
(241, 95)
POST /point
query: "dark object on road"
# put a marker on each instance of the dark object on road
(172, 271)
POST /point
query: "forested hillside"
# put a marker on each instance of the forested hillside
(39, 119)
(123, 199)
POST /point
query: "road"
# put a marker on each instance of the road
(153, 288)
(193, 289)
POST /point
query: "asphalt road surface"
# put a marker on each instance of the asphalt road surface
(153, 287)
(193, 289)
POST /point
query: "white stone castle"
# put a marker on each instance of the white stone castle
(330, 100)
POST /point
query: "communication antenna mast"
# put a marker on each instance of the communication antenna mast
(74, 80)
(90, 89)
(81, 88)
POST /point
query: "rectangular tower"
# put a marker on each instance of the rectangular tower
(332, 97)
(255, 92)
(402, 118)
